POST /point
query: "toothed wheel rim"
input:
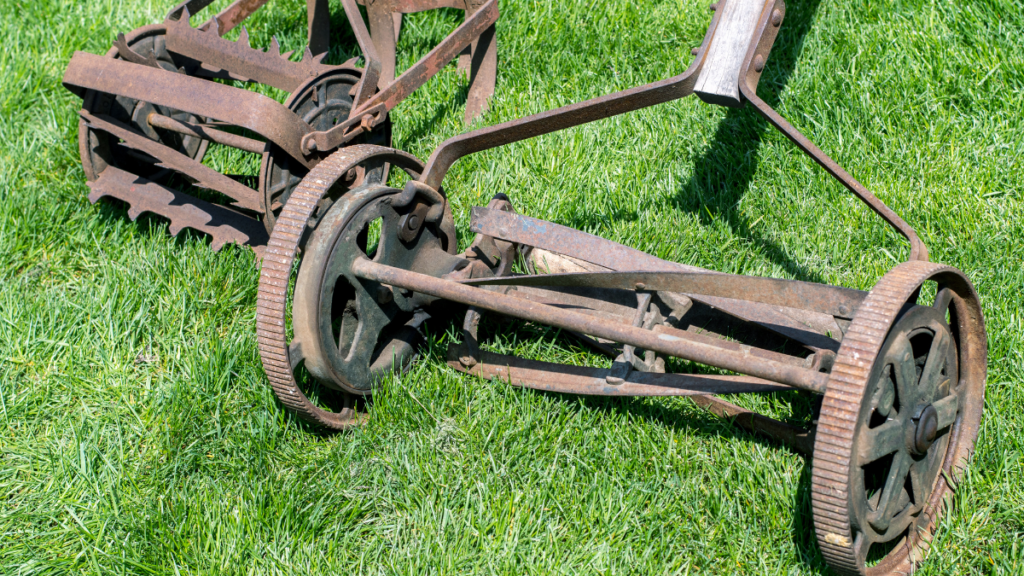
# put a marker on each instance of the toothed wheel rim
(272, 324)
(883, 526)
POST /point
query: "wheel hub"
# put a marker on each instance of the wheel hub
(352, 331)
(925, 431)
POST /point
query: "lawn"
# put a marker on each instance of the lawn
(138, 433)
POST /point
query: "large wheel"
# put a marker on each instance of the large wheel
(321, 102)
(99, 149)
(334, 315)
(352, 331)
(898, 421)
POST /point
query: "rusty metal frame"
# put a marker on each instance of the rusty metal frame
(778, 305)
(851, 348)
(658, 93)
(127, 74)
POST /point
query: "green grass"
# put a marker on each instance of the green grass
(137, 432)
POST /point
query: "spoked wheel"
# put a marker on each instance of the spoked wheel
(898, 421)
(347, 332)
(99, 149)
(322, 102)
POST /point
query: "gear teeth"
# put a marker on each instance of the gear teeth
(275, 47)
(130, 55)
(283, 246)
(243, 36)
(223, 225)
(834, 458)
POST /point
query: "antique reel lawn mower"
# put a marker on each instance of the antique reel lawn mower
(156, 101)
(900, 377)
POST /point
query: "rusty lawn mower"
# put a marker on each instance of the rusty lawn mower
(900, 379)
(154, 103)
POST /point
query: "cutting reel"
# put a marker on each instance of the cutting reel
(154, 104)
(898, 378)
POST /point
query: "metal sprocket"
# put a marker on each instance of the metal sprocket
(99, 149)
(898, 420)
(321, 102)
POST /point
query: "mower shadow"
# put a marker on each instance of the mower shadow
(721, 177)
(692, 421)
(723, 173)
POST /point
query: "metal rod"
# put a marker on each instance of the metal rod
(664, 343)
(918, 251)
(230, 17)
(567, 379)
(157, 120)
(424, 70)
(318, 15)
(799, 439)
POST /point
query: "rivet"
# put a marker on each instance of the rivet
(695, 51)
(776, 18)
(713, 7)
(641, 286)
(758, 63)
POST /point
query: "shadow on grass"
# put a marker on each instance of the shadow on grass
(723, 173)
(425, 126)
(686, 420)
(721, 178)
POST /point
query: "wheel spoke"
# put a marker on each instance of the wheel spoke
(881, 441)
(902, 357)
(371, 320)
(917, 482)
(943, 298)
(936, 362)
(295, 354)
(890, 496)
(946, 410)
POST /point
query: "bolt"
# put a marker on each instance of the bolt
(695, 51)
(413, 222)
(467, 361)
(714, 6)
(366, 123)
(776, 18)
(758, 63)
(926, 430)
(844, 309)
